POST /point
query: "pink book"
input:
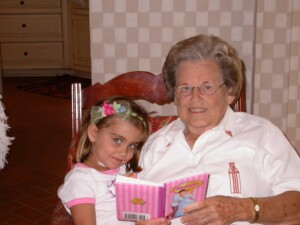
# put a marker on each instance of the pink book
(142, 200)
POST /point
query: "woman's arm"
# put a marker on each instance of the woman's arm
(280, 209)
(84, 214)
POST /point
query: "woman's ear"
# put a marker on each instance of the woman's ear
(92, 132)
(230, 99)
(230, 96)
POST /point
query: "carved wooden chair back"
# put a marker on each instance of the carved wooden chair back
(137, 85)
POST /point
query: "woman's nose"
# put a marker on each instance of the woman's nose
(196, 92)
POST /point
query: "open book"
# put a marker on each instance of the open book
(142, 200)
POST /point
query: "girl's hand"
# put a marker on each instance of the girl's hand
(159, 221)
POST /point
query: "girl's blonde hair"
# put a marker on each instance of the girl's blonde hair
(134, 114)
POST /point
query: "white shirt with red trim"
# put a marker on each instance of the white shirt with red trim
(245, 155)
(87, 185)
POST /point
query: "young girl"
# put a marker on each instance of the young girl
(110, 143)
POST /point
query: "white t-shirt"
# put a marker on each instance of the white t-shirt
(87, 185)
(245, 155)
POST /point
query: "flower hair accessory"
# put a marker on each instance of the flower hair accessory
(99, 112)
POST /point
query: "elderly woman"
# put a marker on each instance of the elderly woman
(254, 171)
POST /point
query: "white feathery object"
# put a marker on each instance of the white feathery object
(5, 141)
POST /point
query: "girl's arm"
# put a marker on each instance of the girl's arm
(83, 214)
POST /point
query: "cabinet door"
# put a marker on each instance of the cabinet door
(29, 4)
(30, 27)
(32, 55)
(81, 42)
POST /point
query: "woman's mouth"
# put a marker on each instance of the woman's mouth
(197, 110)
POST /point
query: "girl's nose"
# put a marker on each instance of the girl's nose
(123, 150)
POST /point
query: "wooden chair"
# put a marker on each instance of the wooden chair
(138, 85)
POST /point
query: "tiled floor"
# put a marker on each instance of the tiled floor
(36, 165)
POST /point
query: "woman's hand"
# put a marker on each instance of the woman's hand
(218, 210)
(159, 221)
(279, 209)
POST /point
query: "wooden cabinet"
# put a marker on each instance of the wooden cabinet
(34, 34)
(80, 37)
(44, 35)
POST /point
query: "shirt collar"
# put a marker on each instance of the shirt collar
(109, 172)
(229, 122)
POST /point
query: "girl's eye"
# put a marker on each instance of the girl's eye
(118, 141)
(133, 146)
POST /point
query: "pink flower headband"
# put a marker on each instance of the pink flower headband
(99, 112)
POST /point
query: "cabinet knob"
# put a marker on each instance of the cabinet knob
(25, 53)
(24, 25)
(22, 2)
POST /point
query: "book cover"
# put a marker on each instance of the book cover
(142, 200)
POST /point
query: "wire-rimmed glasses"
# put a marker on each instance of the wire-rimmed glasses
(205, 89)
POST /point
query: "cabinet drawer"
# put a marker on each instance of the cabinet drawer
(32, 56)
(29, 4)
(33, 27)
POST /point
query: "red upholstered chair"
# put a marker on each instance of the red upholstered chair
(138, 85)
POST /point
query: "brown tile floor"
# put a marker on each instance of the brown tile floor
(36, 165)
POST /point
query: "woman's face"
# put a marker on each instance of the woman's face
(200, 112)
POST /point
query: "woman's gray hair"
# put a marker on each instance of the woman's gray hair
(205, 47)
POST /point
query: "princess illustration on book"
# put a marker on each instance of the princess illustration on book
(180, 200)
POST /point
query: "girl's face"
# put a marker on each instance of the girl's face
(200, 112)
(114, 145)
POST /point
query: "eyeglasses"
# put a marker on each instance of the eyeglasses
(205, 89)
